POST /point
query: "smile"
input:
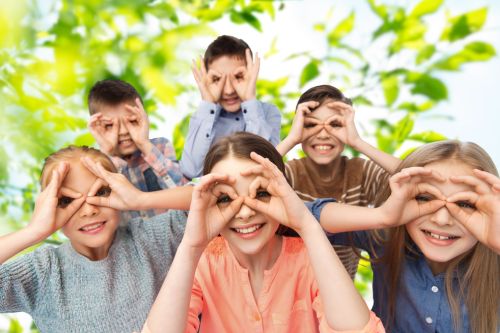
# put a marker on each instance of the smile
(248, 231)
(93, 228)
(439, 237)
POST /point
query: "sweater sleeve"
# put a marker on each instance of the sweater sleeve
(262, 119)
(22, 280)
(199, 139)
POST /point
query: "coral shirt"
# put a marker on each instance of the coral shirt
(289, 300)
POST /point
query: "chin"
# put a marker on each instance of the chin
(128, 151)
(232, 107)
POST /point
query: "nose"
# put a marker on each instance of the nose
(245, 213)
(323, 134)
(228, 88)
(442, 217)
(88, 210)
(122, 130)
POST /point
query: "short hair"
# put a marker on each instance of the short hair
(111, 92)
(322, 93)
(72, 153)
(225, 46)
(241, 144)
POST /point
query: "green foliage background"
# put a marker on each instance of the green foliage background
(51, 53)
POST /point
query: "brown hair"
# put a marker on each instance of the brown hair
(111, 92)
(322, 93)
(225, 46)
(478, 269)
(72, 153)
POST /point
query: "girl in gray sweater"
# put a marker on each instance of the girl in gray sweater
(107, 276)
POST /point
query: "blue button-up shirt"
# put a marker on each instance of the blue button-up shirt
(421, 301)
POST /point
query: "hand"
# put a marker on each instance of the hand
(478, 210)
(283, 204)
(411, 197)
(206, 218)
(342, 126)
(137, 125)
(124, 195)
(105, 132)
(244, 79)
(55, 206)
(303, 128)
(210, 84)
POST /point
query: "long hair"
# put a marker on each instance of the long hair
(478, 269)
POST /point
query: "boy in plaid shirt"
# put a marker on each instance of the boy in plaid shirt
(120, 126)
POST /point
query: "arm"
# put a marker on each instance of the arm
(199, 139)
(388, 162)
(262, 119)
(170, 310)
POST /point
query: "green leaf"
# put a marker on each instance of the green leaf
(403, 128)
(180, 133)
(425, 7)
(245, 17)
(390, 85)
(379, 10)
(413, 107)
(461, 26)
(427, 136)
(341, 30)
(15, 326)
(472, 52)
(425, 53)
(424, 84)
(309, 72)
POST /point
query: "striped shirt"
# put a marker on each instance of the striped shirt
(139, 169)
(356, 182)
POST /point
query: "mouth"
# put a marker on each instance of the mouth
(439, 238)
(323, 148)
(232, 100)
(248, 231)
(125, 142)
(93, 228)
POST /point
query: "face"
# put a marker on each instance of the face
(323, 148)
(249, 232)
(126, 145)
(91, 229)
(438, 235)
(229, 100)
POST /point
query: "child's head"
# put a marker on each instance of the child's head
(92, 228)
(109, 97)
(249, 231)
(226, 55)
(322, 148)
(446, 244)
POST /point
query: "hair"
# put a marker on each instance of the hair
(72, 153)
(111, 92)
(478, 269)
(322, 93)
(225, 46)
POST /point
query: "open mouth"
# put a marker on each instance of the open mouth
(439, 237)
(231, 101)
(93, 228)
(248, 231)
(323, 148)
(126, 142)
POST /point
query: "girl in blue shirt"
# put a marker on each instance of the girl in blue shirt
(436, 261)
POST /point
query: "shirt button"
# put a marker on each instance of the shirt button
(256, 316)
(208, 135)
(434, 289)
(244, 110)
(237, 118)
(428, 320)
(212, 111)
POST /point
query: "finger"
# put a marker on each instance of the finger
(309, 105)
(256, 67)
(202, 66)
(98, 184)
(430, 207)
(222, 82)
(269, 166)
(222, 188)
(428, 188)
(487, 177)
(234, 207)
(478, 185)
(470, 196)
(464, 218)
(94, 119)
(67, 192)
(248, 58)
(99, 201)
(210, 180)
(254, 170)
(65, 214)
(91, 165)
(53, 186)
(257, 205)
(257, 183)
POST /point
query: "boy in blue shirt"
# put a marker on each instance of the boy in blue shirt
(226, 79)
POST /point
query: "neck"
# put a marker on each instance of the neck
(93, 253)
(257, 263)
(325, 171)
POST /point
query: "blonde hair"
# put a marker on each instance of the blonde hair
(478, 269)
(72, 153)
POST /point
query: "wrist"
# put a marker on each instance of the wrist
(309, 228)
(33, 235)
(194, 251)
(357, 144)
(145, 146)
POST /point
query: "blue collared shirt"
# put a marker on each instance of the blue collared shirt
(421, 301)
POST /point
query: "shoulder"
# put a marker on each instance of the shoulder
(270, 108)
(216, 248)
(294, 246)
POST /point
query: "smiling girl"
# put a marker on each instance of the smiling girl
(436, 266)
(251, 278)
(90, 283)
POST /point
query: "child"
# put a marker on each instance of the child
(323, 124)
(251, 278)
(120, 126)
(107, 276)
(438, 272)
(226, 79)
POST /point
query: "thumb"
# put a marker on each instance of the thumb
(430, 207)
(99, 201)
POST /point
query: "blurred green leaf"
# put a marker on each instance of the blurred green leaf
(461, 26)
(180, 133)
(427, 136)
(425, 53)
(378, 9)
(425, 7)
(472, 52)
(342, 29)
(403, 128)
(390, 86)
(309, 72)
(15, 326)
(424, 84)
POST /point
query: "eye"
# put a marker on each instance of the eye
(309, 125)
(262, 195)
(108, 126)
(335, 124)
(63, 202)
(215, 79)
(223, 199)
(239, 77)
(103, 191)
(465, 204)
(423, 197)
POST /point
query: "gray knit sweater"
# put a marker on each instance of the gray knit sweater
(65, 292)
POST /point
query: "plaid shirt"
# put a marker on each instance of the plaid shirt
(162, 161)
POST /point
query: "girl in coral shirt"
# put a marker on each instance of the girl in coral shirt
(251, 279)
